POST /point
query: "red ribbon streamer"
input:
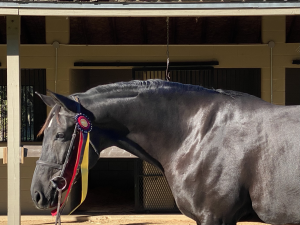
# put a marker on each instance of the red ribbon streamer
(54, 212)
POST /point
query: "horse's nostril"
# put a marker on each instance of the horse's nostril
(39, 200)
(37, 196)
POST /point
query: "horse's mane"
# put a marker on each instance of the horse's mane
(159, 84)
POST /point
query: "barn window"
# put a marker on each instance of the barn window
(246, 80)
(3, 113)
(33, 111)
(292, 82)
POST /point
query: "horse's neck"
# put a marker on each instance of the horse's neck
(157, 123)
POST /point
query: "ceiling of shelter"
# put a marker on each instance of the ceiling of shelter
(136, 30)
(292, 29)
(32, 30)
(166, 1)
(183, 30)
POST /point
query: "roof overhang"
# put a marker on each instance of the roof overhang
(159, 9)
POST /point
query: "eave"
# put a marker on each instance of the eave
(159, 9)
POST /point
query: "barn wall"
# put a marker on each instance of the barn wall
(27, 169)
(229, 56)
(111, 186)
(273, 29)
(251, 56)
(3, 188)
(107, 76)
(78, 81)
(235, 56)
(57, 29)
(244, 56)
(84, 79)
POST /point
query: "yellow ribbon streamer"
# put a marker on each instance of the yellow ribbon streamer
(84, 172)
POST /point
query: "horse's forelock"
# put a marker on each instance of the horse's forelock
(54, 111)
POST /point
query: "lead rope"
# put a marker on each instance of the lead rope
(168, 60)
(59, 189)
(57, 219)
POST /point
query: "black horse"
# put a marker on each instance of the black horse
(227, 156)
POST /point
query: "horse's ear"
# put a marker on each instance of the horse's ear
(48, 100)
(65, 102)
(70, 105)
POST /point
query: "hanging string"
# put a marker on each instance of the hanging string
(168, 60)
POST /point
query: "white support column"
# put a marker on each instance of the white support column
(14, 119)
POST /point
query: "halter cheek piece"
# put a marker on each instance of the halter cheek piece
(83, 125)
(61, 167)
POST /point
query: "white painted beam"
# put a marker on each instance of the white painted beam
(142, 9)
(36, 151)
(160, 12)
(180, 5)
(14, 119)
(9, 11)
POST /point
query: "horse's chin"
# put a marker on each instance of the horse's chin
(44, 207)
(52, 205)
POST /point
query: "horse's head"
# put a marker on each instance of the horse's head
(58, 130)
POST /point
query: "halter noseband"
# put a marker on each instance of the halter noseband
(58, 166)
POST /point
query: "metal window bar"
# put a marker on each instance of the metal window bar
(33, 111)
(152, 193)
(3, 113)
(27, 113)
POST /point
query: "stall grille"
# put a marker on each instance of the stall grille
(152, 192)
(33, 110)
(246, 80)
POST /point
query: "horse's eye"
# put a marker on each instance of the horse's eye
(60, 135)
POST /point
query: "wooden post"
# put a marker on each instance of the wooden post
(4, 154)
(14, 119)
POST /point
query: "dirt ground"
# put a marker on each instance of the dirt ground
(173, 219)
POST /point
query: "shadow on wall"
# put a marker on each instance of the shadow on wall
(110, 191)
(83, 79)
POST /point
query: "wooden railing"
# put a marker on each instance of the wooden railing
(154, 1)
(35, 151)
